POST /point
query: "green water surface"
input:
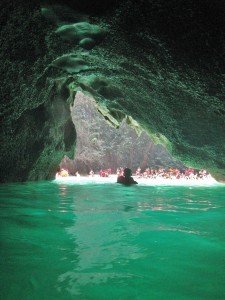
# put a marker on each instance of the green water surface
(107, 241)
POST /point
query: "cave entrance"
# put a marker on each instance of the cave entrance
(101, 146)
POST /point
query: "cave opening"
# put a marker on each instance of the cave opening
(100, 146)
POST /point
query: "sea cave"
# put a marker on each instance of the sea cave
(161, 64)
(155, 66)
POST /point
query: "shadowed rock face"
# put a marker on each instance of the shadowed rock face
(160, 63)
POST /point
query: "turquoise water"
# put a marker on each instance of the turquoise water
(107, 241)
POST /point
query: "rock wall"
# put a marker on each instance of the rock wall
(160, 63)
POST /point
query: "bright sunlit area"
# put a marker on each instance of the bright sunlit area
(102, 153)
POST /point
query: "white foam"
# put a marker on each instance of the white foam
(141, 181)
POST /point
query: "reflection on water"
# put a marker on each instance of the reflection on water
(102, 236)
(110, 241)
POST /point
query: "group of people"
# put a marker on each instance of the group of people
(105, 173)
(124, 175)
(172, 173)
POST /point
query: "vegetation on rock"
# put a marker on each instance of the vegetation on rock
(101, 146)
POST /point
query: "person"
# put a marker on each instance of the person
(138, 172)
(126, 178)
(91, 173)
(64, 173)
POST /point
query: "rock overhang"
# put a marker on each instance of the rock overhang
(136, 72)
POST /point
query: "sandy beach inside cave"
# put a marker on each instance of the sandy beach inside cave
(96, 179)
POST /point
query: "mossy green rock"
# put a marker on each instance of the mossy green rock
(70, 64)
(160, 63)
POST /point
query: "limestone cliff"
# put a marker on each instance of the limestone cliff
(162, 63)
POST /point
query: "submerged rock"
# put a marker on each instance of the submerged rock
(159, 63)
